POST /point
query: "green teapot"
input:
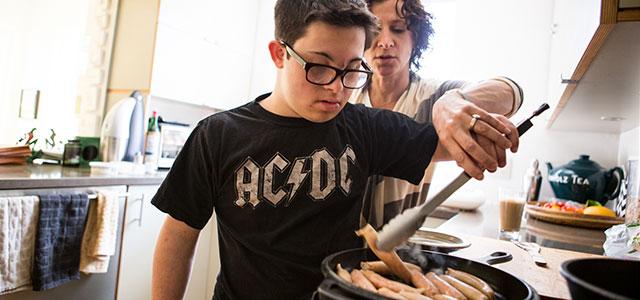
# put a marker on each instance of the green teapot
(583, 179)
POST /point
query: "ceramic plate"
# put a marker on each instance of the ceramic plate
(430, 239)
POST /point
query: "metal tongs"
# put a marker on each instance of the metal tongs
(404, 225)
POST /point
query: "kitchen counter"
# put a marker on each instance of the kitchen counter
(56, 176)
(481, 229)
(484, 222)
(547, 280)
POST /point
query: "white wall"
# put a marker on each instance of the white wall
(629, 146)
(43, 47)
(264, 73)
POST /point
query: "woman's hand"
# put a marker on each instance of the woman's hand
(474, 145)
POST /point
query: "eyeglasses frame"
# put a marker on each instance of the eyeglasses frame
(339, 72)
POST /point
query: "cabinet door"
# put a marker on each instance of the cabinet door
(574, 24)
(142, 225)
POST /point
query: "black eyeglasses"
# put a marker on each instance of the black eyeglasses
(320, 74)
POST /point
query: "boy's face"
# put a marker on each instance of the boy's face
(340, 47)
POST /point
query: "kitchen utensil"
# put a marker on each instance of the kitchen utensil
(505, 285)
(536, 211)
(583, 179)
(122, 133)
(533, 249)
(602, 278)
(403, 226)
(495, 258)
(428, 239)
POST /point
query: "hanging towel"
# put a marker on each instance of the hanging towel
(58, 238)
(18, 221)
(101, 231)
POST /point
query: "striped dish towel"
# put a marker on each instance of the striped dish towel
(18, 221)
(101, 231)
(58, 238)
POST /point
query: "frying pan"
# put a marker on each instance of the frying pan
(504, 284)
(602, 278)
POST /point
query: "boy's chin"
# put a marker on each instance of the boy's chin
(321, 117)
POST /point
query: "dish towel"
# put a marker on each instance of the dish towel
(18, 221)
(58, 238)
(100, 233)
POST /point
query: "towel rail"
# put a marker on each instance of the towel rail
(121, 195)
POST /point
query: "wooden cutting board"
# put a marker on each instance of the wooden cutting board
(547, 281)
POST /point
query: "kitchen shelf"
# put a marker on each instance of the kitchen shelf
(578, 104)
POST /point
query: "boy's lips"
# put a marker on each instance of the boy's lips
(329, 105)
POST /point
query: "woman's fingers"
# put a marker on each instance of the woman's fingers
(490, 119)
(484, 129)
(489, 147)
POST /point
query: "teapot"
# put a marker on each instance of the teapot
(583, 179)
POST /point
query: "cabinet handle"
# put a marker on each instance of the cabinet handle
(568, 81)
(139, 218)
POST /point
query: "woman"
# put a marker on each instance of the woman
(405, 29)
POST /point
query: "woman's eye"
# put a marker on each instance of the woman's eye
(398, 29)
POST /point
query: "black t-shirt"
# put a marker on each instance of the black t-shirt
(287, 192)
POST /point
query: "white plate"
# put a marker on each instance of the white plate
(430, 239)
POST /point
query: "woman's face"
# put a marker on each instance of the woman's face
(390, 51)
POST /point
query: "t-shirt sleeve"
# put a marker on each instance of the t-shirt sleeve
(186, 194)
(401, 147)
(424, 114)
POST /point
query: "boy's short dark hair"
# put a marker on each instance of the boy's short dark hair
(419, 23)
(292, 17)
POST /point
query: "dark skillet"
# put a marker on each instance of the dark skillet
(504, 284)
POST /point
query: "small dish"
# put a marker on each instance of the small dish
(429, 239)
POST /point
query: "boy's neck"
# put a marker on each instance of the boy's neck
(384, 92)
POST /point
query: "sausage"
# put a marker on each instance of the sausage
(443, 297)
(391, 294)
(380, 282)
(444, 287)
(422, 282)
(380, 267)
(473, 281)
(390, 258)
(344, 274)
(467, 290)
(413, 296)
(359, 280)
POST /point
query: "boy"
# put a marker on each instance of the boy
(285, 173)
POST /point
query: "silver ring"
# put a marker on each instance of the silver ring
(474, 120)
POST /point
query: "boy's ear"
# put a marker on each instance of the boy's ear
(277, 53)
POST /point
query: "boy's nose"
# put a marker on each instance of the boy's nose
(336, 86)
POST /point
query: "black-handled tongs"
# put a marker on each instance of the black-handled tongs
(404, 225)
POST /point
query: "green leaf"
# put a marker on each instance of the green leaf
(593, 203)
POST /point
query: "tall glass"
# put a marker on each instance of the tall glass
(511, 208)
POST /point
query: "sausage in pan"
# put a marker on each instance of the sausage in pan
(467, 290)
(380, 282)
(444, 287)
(361, 281)
(422, 282)
(390, 258)
(413, 296)
(473, 281)
(391, 294)
(381, 268)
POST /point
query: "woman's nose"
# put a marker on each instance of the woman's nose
(384, 40)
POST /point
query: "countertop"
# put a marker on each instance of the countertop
(481, 229)
(55, 176)
(484, 221)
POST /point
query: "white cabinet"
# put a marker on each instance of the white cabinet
(574, 25)
(142, 223)
(204, 52)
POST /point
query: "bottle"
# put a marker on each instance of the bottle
(532, 181)
(71, 154)
(152, 144)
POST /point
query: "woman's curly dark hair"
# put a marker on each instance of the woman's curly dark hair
(419, 23)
